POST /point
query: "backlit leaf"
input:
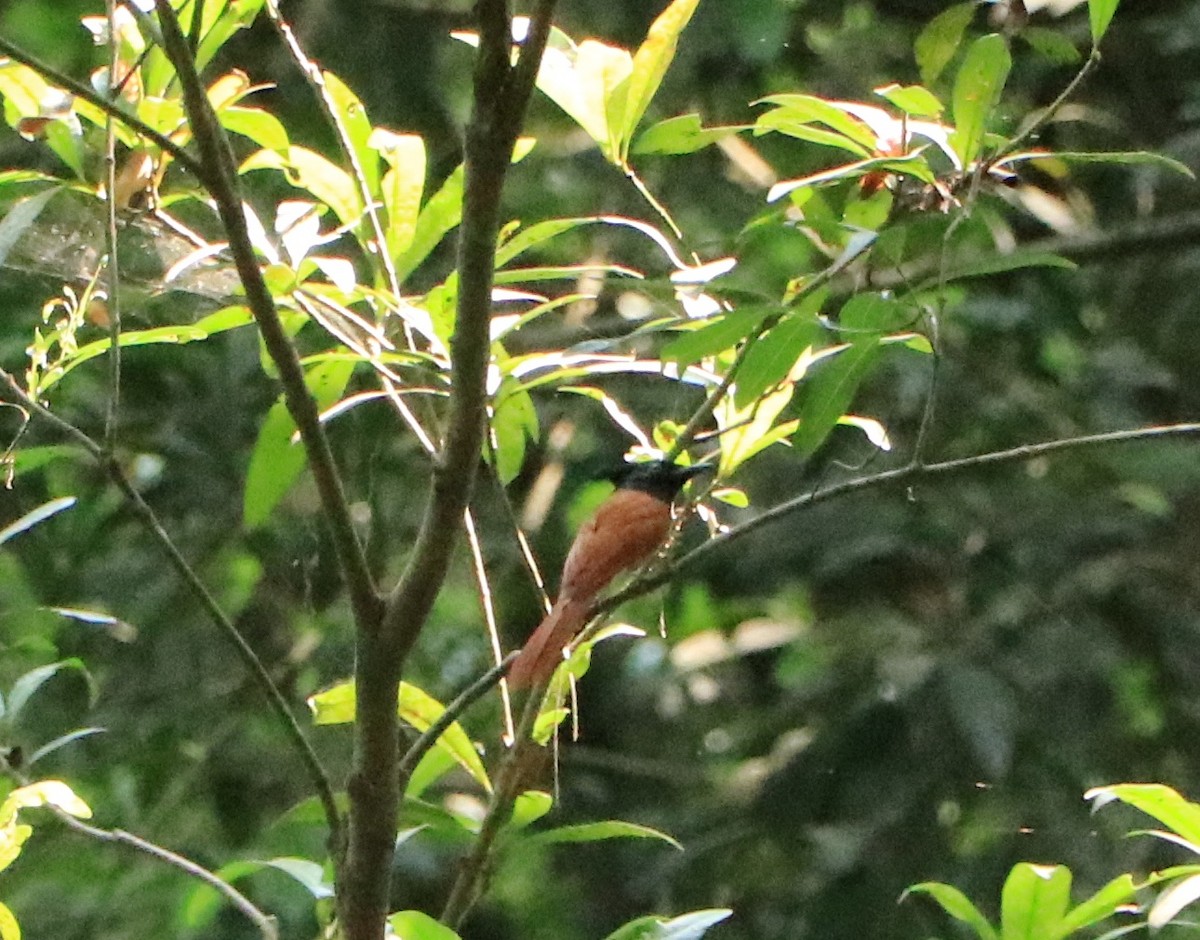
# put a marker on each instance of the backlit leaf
(938, 41)
(977, 89)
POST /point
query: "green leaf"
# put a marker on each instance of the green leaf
(1034, 900)
(977, 89)
(746, 431)
(34, 516)
(9, 928)
(938, 41)
(1051, 45)
(996, 264)
(1100, 14)
(538, 233)
(61, 741)
(829, 391)
(683, 134)
(771, 359)
(403, 186)
(957, 905)
(257, 125)
(808, 109)
(514, 423)
(26, 685)
(1104, 903)
(221, 21)
(276, 462)
(1164, 804)
(353, 117)
(336, 705)
(439, 216)
(600, 831)
(529, 807)
(228, 318)
(305, 169)
(20, 217)
(1124, 157)
(716, 336)
(915, 100)
(436, 763)
(650, 64)
(691, 926)
(414, 925)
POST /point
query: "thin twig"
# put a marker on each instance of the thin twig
(150, 521)
(472, 872)
(453, 712)
(80, 90)
(906, 474)
(263, 922)
(1048, 113)
(484, 591)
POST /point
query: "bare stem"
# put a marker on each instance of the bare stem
(906, 474)
(112, 270)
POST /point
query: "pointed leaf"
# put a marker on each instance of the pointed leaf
(1034, 900)
(9, 928)
(977, 89)
(305, 169)
(1104, 903)
(1161, 802)
(34, 516)
(957, 905)
(63, 739)
(353, 117)
(938, 41)
(415, 925)
(716, 336)
(276, 462)
(403, 185)
(691, 926)
(1100, 14)
(20, 217)
(915, 100)
(650, 64)
(1173, 900)
(600, 831)
(683, 134)
(529, 807)
(997, 264)
(829, 391)
(24, 688)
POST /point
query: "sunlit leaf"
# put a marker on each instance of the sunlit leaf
(9, 928)
(683, 134)
(305, 169)
(1164, 804)
(403, 185)
(514, 423)
(353, 118)
(1173, 900)
(435, 764)
(1100, 14)
(529, 807)
(600, 831)
(336, 705)
(977, 89)
(262, 127)
(277, 461)
(1034, 900)
(34, 516)
(691, 926)
(415, 925)
(912, 99)
(582, 80)
(1122, 157)
(795, 109)
(957, 905)
(650, 64)
(44, 793)
(939, 40)
(1109, 900)
(1051, 44)
(440, 215)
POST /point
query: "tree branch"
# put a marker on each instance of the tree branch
(80, 90)
(501, 92)
(906, 474)
(217, 615)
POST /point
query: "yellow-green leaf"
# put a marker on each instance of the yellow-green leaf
(316, 175)
(977, 89)
(650, 64)
(9, 928)
(403, 185)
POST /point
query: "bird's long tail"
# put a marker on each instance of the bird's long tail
(543, 650)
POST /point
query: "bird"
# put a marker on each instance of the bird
(627, 529)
